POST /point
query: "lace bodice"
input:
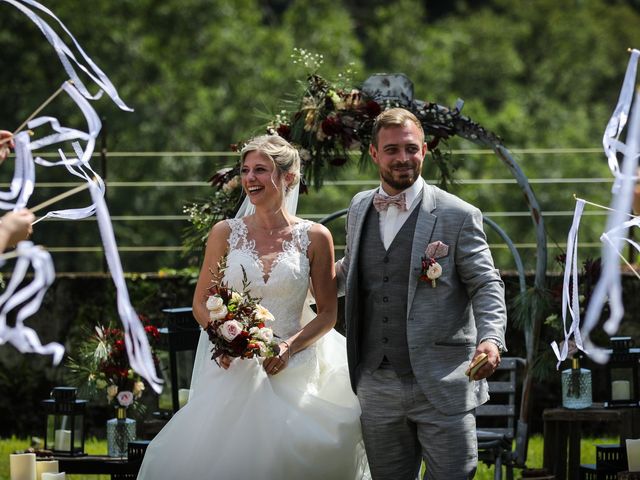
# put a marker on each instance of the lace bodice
(283, 288)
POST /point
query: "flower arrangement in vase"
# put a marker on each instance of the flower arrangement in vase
(100, 365)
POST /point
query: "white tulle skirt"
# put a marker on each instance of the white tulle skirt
(241, 423)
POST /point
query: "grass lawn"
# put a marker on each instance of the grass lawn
(99, 447)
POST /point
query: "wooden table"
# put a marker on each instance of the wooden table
(119, 468)
(563, 428)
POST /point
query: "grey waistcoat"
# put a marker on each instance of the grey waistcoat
(383, 280)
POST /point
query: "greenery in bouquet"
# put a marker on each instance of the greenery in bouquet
(100, 366)
(238, 324)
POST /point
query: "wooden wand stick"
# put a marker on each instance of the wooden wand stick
(57, 198)
(39, 109)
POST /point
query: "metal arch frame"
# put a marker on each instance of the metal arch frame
(333, 216)
(514, 251)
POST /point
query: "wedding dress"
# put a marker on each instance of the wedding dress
(240, 423)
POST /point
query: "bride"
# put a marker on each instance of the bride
(293, 416)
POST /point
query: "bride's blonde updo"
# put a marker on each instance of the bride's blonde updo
(283, 155)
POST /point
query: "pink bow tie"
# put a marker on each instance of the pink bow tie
(382, 202)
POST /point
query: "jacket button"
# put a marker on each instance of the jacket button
(385, 299)
(385, 340)
(385, 319)
(385, 259)
(385, 278)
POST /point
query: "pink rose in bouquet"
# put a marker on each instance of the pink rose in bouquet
(230, 329)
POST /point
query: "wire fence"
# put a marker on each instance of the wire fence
(146, 192)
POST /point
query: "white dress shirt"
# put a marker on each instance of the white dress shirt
(392, 219)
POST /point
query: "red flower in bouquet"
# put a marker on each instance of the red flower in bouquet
(238, 324)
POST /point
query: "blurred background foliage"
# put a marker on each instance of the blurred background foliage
(204, 74)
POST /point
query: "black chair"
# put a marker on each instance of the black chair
(497, 422)
(135, 454)
(180, 335)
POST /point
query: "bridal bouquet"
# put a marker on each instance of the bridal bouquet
(237, 325)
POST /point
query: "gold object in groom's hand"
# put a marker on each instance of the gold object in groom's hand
(476, 364)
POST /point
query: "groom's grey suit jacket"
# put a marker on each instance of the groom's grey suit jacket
(445, 323)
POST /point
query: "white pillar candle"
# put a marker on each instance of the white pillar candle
(620, 390)
(46, 466)
(53, 476)
(62, 440)
(22, 466)
(183, 396)
(633, 454)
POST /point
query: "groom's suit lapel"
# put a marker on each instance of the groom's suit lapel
(360, 216)
(425, 224)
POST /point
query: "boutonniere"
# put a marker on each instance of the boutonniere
(431, 270)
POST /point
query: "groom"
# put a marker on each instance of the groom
(422, 300)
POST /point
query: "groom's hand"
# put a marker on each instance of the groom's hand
(493, 360)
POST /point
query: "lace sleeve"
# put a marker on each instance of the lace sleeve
(237, 235)
(301, 236)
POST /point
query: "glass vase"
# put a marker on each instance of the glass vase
(576, 386)
(120, 431)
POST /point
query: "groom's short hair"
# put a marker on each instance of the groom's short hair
(394, 117)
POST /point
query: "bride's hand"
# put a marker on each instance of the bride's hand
(225, 361)
(273, 365)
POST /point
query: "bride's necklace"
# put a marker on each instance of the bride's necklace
(278, 229)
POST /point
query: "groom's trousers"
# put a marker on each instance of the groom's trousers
(401, 427)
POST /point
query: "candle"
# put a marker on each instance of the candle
(22, 466)
(183, 396)
(53, 476)
(46, 466)
(633, 454)
(620, 390)
(62, 440)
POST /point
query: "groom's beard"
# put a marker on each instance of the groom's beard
(400, 176)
